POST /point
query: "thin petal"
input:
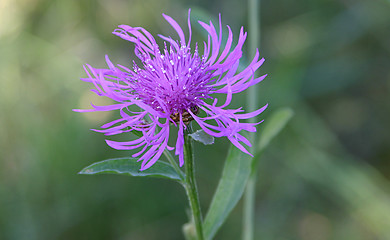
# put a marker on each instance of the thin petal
(189, 27)
(180, 142)
(177, 28)
(251, 114)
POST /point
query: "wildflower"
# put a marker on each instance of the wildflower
(173, 87)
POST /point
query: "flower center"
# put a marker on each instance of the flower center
(173, 81)
(186, 116)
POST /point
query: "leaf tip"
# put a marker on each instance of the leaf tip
(85, 171)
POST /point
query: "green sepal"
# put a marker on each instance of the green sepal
(202, 137)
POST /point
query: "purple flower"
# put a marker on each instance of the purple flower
(174, 86)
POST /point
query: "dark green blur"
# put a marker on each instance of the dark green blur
(325, 177)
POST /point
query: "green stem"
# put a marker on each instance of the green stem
(254, 42)
(249, 207)
(249, 195)
(190, 185)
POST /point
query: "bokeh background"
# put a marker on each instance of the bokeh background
(325, 177)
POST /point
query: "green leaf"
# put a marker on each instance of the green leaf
(202, 137)
(129, 166)
(237, 169)
(274, 124)
(229, 191)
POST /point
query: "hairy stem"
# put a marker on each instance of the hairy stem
(190, 185)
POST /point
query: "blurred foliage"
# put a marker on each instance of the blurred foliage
(325, 177)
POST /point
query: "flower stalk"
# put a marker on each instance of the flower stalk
(250, 191)
(190, 184)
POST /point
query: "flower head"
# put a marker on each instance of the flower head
(174, 86)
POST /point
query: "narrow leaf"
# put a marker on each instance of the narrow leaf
(229, 191)
(236, 172)
(129, 166)
(202, 137)
(273, 126)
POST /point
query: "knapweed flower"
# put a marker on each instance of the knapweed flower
(174, 86)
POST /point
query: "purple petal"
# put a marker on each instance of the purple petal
(176, 27)
(239, 146)
(251, 114)
(180, 142)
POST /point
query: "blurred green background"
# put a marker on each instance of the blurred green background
(325, 177)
